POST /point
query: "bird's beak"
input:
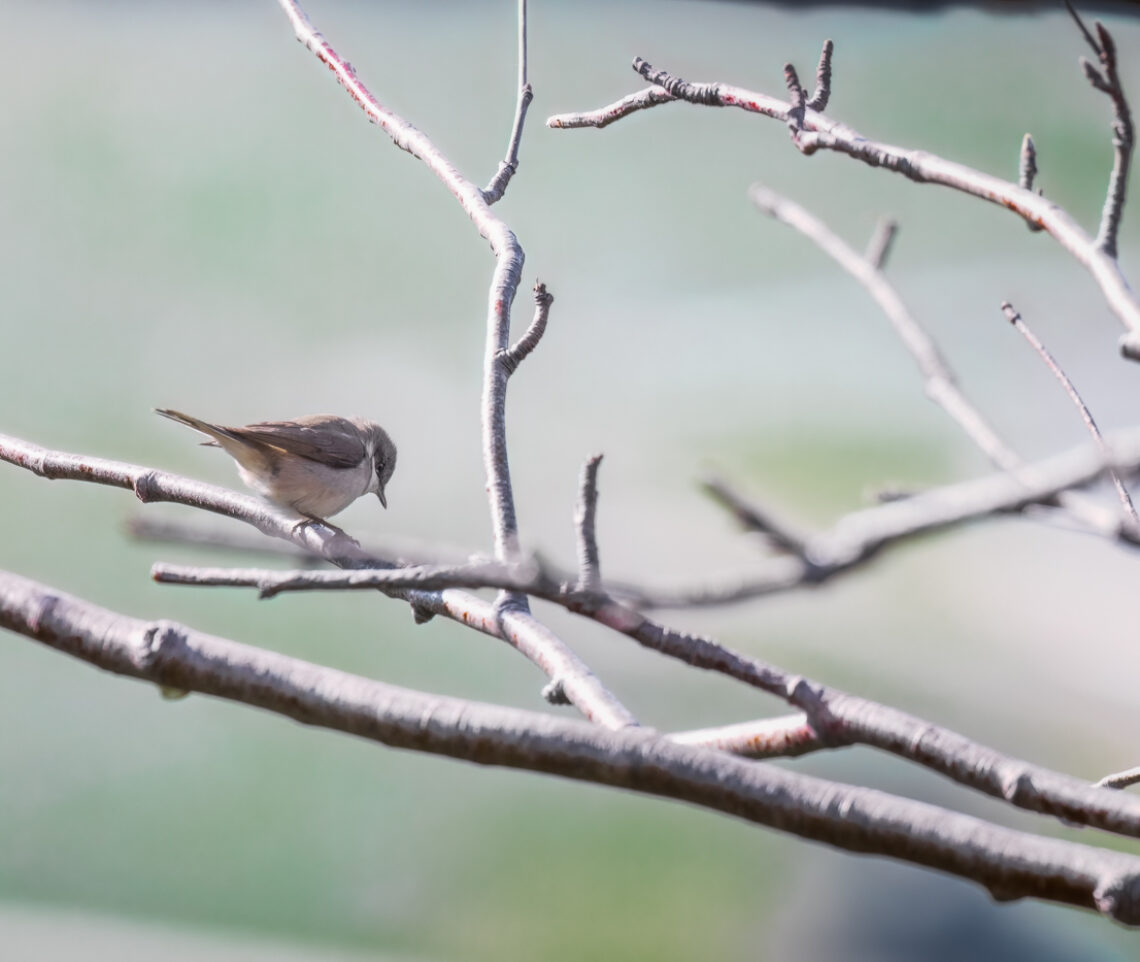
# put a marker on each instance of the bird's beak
(383, 500)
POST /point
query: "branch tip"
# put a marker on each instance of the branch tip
(822, 93)
(879, 246)
(585, 523)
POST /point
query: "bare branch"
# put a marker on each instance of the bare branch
(1119, 780)
(270, 582)
(836, 718)
(642, 100)
(879, 246)
(752, 516)
(1123, 133)
(940, 382)
(820, 132)
(518, 352)
(504, 283)
(1016, 320)
(536, 643)
(585, 515)
(783, 737)
(498, 186)
(1010, 864)
(858, 537)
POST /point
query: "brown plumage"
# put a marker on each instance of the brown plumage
(316, 465)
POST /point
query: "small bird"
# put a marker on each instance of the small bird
(316, 465)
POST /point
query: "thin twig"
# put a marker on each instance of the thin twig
(777, 532)
(518, 352)
(1018, 322)
(939, 381)
(820, 132)
(585, 515)
(507, 169)
(879, 246)
(1119, 780)
(1123, 133)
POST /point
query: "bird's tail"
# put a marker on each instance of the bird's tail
(215, 431)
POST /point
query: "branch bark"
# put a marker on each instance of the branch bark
(1009, 864)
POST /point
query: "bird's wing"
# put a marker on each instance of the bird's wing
(324, 438)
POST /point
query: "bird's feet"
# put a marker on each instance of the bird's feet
(314, 522)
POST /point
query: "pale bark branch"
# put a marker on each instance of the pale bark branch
(816, 131)
(835, 717)
(538, 645)
(1009, 864)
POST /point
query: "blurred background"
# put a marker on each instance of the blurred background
(193, 215)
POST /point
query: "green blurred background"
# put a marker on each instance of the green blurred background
(192, 214)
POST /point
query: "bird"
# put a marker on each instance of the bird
(316, 465)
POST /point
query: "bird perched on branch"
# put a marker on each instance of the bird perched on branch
(316, 465)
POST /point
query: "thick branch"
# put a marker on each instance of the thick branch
(1010, 864)
(833, 718)
(820, 132)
